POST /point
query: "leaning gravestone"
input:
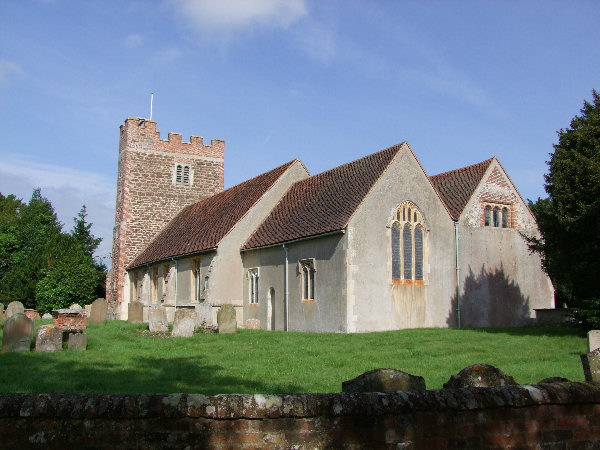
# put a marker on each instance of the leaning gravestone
(591, 365)
(99, 311)
(157, 319)
(14, 308)
(48, 338)
(480, 375)
(593, 340)
(18, 333)
(77, 341)
(185, 323)
(384, 380)
(204, 313)
(135, 312)
(226, 320)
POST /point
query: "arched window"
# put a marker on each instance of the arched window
(418, 252)
(504, 217)
(183, 174)
(407, 250)
(488, 215)
(396, 261)
(496, 216)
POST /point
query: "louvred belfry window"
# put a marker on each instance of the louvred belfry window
(183, 174)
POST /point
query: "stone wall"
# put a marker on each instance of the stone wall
(147, 193)
(561, 415)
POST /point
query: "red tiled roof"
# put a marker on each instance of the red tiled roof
(323, 202)
(457, 186)
(201, 226)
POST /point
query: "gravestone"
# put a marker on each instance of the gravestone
(185, 323)
(593, 340)
(47, 316)
(77, 341)
(135, 312)
(480, 375)
(75, 306)
(48, 338)
(18, 333)
(14, 308)
(157, 319)
(204, 313)
(226, 320)
(384, 380)
(98, 311)
(591, 365)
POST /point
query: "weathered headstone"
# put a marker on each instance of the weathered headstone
(14, 308)
(77, 341)
(48, 338)
(18, 333)
(480, 375)
(226, 320)
(185, 323)
(591, 365)
(75, 306)
(135, 312)
(204, 313)
(384, 380)
(253, 324)
(593, 340)
(157, 319)
(98, 311)
(47, 316)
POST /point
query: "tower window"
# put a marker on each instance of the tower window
(183, 174)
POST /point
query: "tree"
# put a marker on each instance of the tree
(569, 219)
(82, 233)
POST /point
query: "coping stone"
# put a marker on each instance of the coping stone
(384, 380)
(18, 334)
(480, 375)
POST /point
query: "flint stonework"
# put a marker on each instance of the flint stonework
(384, 380)
(480, 375)
(77, 341)
(18, 334)
(185, 323)
(135, 312)
(157, 319)
(48, 338)
(14, 308)
(226, 319)
(98, 311)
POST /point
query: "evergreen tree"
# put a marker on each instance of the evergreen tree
(82, 233)
(569, 219)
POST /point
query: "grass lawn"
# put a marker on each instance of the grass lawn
(122, 359)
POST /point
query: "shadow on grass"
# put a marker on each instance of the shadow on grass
(536, 331)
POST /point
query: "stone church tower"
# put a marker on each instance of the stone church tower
(156, 179)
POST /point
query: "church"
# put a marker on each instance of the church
(375, 244)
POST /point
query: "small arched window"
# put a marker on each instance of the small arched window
(496, 216)
(504, 217)
(407, 244)
(488, 216)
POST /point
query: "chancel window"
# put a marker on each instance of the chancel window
(408, 240)
(496, 215)
(307, 267)
(253, 285)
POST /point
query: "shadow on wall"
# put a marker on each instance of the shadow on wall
(490, 299)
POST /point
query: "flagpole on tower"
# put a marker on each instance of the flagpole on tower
(151, 99)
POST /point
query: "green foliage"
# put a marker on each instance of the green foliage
(569, 218)
(41, 266)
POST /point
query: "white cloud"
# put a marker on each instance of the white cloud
(8, 67)
(210, 16)
(68, 189)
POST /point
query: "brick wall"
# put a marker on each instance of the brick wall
(147, 197)
(69, 319)
(562, 415)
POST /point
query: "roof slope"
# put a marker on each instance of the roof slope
(202, 225)
(323, 202)
(457, 186)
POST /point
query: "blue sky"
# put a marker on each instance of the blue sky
(327, 81)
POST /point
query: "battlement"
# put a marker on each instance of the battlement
(141, 134)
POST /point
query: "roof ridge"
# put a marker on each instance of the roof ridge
(486, 162)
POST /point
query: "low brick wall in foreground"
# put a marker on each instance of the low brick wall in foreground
(562, 415)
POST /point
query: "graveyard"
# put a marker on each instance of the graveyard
(122, 357)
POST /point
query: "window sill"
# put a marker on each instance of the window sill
(309, 300)
(409, 282)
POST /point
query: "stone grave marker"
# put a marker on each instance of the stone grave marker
(591, 365)
(157, 319)
(77, 341)
(14, 308)
(384, 380)
(226, 319)
(185, 323)
(98, 311)
(18, 333)
(204, 313)
(48, 338)
(135, 312)
(75, 306)
(47, 316)
(480, 375)
(593, 340)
